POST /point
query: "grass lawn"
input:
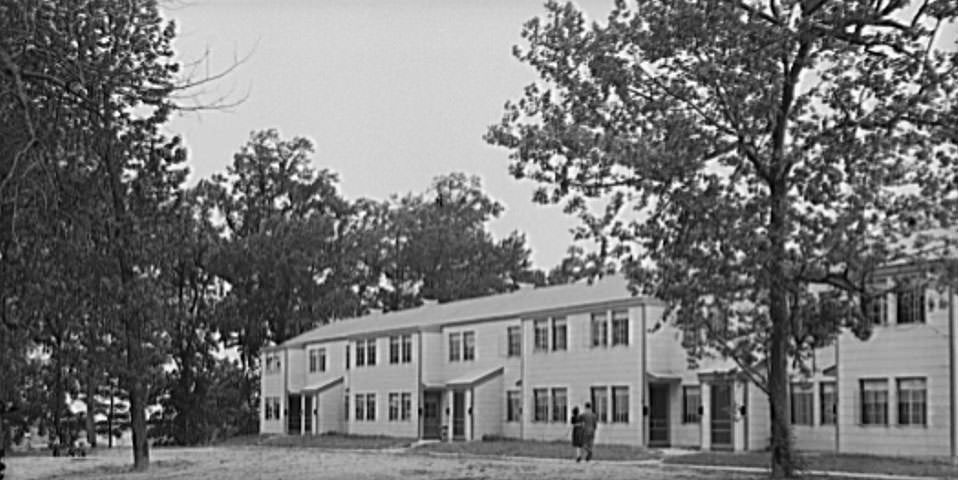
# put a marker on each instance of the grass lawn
(828, 461)
(530, 448)
(331, 441)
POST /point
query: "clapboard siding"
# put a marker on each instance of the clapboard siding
(297, 369)
(897, 351)
(335, 363)
(579, 368)
(487, 408)
(331, 410)
(382, 379)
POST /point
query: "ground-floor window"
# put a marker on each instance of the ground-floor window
(393, 406)
(346, 409)
(371, 407)
(874, 400)
(271, 408)
(691, 404)
(365, 407)
(600, 403)
(912, 401)
(828, 403)
(620, 404)
(360, 407)
(513, 405)
(540, 400)
(559, 405)
(802, 403)
(406, 406)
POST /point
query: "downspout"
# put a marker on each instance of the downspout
(420, 383)
(745, 412)
(285, 419)
(836, 407)
(951, 373)
(643, 385)
(523, 350)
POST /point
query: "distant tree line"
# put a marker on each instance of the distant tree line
(121, 286)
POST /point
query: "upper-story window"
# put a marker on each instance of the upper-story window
(462, 346)
(599, 329)
(876, 309)
(514, 338)
(601, 322)
(366, 352)
(273, 363)
(559, 334)
(400, 349)
(455, 347)
(911, 306)
(468, 346)
(620, 327)
(406, 354)
(540, 336)
(317, 360)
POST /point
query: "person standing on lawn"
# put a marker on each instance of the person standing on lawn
(589, 425)
(577, 433)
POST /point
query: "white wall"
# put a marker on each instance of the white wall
(331, 414)
(488, 412)
(578, 369)
(272, 385)
(382, 379)
(895, 351)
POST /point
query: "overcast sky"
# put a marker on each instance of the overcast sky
(392, 93)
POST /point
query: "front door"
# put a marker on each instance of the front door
(308, 418)
(721, 410)
(658, 415)
(431, 419)
(458, 415)
(293, 413)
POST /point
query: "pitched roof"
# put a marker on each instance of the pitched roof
(520, 303)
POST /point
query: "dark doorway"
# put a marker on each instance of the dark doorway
(431, 420)
(721, 410)
(659, 415)
(293, 414)
(308, 418)
(458, 415)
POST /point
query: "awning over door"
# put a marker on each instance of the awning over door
(474, 378)
(323, 386)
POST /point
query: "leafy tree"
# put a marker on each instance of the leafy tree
(437, 247)
(753, 152)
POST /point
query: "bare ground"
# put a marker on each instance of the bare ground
(253, 462)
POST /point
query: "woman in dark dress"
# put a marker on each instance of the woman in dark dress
(577, 433)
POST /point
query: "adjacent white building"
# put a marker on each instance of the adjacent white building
(514, 365)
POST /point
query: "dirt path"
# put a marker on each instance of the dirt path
(252, 463)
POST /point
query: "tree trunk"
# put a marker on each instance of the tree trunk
(782, 461)
(90, 405)
(109, 418)
(141, 453)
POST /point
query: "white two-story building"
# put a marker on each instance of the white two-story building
(514, 365)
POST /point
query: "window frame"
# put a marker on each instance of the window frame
(540, 335)
(802, 403)
(455, 346)
(560, 324)
(620, 406)
(907, 301)
(406, 349)
(619, 323)
(360, 347)
(405, 406)
(691, 411)
(394, 349)
(371, 407)
(599, 329)
(559, 411)
(371, 352)
(540, 394)
(513, 406)
(907, 413)
(393, 400)
(877, 417)
(469, 346)
(360, 407)
(828, 407)
(601, 409)
(514, 341)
